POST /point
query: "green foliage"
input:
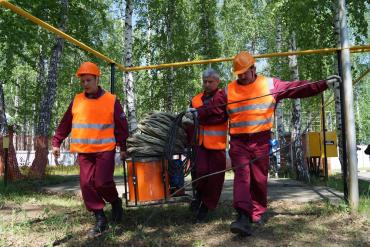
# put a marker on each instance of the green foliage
(169, 31)
(163, 35)
(315, 30)
(88, 21)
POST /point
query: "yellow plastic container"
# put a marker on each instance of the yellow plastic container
(151, 180)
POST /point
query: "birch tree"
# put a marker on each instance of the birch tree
(129, 79)
(297, 147)
(43, 127)
(279, 108)
(170, 11)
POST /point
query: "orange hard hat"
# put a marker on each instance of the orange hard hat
(88, 68)
(242, 62)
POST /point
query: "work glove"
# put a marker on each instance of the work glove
(333, 81)
(188, 118)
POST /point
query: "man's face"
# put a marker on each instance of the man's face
(248, 76)
(210, 84)
(89, 83)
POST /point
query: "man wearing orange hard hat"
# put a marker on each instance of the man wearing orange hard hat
(97, 124)
(250, 123)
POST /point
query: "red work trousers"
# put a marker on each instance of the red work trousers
(96, 179)
(209, 188)
(250, 158)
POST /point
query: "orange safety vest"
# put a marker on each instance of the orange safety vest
(93, 124)
(211, 136)
(254, 115)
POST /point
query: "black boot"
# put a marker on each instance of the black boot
(242, 225)
(195, 204)
(262, 220)
(117, 211)
(202, 213)
(100, 224)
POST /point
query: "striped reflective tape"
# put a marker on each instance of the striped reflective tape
(92, 141)
(93, 126)
(214, 133)
(264, 106)
(251, 123)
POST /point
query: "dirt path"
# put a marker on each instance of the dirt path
(279, 189)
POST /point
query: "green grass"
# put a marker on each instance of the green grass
(20, 191)
(336, 182)
(63, 170)
(75, 170)
(33, 218)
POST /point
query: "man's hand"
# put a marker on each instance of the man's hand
(187, 119)
(56, 152)
(123, 155)
(333, 81)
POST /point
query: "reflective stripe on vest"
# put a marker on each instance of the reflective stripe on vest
(251, 123)
(93, 141)
(210, 136)
(93, 124)
(214, 132)
(252, 107)
(254, 115)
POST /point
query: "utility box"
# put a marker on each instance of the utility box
(313, 144)
(314, 151)
(331, 144)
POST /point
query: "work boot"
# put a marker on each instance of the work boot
(259, 221)
(195, 204)
(100, 224)
(202, 213)
(117, 211)
(241, 226)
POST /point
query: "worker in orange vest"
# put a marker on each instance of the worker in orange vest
(250, 123)
(97, 124)
(210, 149)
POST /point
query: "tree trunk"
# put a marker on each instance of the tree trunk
(169, 47)
(2, 166)
(3, 128)
(338, 110)
(169, 100)
(43, 126)
(13, 170)
(279, 108)
(297, 147)
(129, 79)
(14, 173)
